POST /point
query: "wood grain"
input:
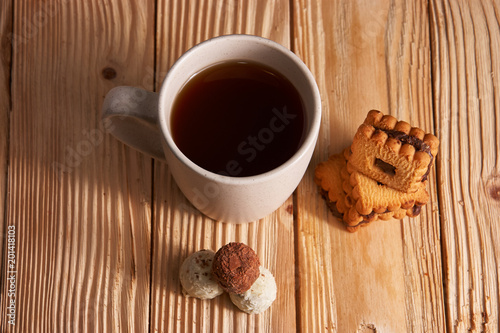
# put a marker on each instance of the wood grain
(466, 53)
(5, 69)
(386, 277)
(178, 228)
(80, 200)
(5, 63)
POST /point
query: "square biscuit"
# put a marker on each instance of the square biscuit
(367, 200)
(346, 190)
(392, 152)
(376, 202)
(368, 195)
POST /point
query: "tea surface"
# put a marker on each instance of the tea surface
(238, 119)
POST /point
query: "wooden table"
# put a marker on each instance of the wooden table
(95, 231)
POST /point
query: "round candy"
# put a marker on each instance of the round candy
(260, 296)
(236, 267)
(196, 276)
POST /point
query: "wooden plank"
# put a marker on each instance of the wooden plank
(466, 53)
(5, 65)
(386, 277)
(179, 229)
(79, 199)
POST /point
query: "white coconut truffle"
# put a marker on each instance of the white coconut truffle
(260, 296)
(196, 276)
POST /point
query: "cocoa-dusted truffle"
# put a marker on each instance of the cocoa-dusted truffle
(236, 267)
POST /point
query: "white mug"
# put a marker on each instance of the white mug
(141, 119)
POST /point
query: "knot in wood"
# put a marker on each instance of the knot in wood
(109, 73)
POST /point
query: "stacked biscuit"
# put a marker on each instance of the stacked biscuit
(234, 268)
(382, 175)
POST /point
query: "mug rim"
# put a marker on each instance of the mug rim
(309, 139)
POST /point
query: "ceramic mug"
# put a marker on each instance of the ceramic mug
(141, 119)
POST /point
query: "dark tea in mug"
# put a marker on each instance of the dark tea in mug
(238, 119)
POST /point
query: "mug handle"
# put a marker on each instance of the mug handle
(131, 115)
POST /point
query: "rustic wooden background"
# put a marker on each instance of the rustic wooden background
(101, 229)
